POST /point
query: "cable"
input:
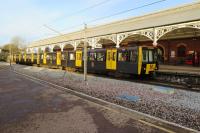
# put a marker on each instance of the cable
(118, 13)
(125, 11)
(83, 10)
(46, 26)
(115, 14)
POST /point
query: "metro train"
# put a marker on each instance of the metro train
(136, 60)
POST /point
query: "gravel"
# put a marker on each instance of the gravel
(171, 104)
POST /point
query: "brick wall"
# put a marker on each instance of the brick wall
(170, 48)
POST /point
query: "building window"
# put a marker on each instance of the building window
(181, 51)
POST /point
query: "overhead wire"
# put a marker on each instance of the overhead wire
(74, 13)
(104, 17)
(125, 11)
(118, 13)
(83, 10)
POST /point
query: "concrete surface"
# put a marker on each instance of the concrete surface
(29, 107)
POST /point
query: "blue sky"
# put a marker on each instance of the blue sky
(25, 18)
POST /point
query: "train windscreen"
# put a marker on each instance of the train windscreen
(149, 55)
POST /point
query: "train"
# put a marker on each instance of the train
(136, 60)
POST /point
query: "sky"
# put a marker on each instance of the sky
(29, 19)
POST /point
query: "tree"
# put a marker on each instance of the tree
(16, 45)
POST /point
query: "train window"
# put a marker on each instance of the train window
(92, 56)
(71, 56)
(54, 57)
(133, 56)
(119, 56)
(48, 57)
(123, 56)
(100, 56)
(63, 56)
(66, 56)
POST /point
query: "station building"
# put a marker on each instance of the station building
(175, 32)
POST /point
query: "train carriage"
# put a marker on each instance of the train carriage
(137, 60)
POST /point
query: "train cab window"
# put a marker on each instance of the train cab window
(71, 56)
(145, 55)
(100, 56)
(150, 56)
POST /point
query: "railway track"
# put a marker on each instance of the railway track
(150, 81)
(163, 125)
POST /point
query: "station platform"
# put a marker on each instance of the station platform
(179, 69)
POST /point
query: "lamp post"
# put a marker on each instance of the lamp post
(85, 53)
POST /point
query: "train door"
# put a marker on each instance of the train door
(32, 58)
(78, 58)
(111, 59)
(45, 58)
(58, 58)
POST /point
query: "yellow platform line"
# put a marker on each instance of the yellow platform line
(158, 127)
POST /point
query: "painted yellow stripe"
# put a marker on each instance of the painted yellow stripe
(32, 57)
(139, 60)
(158, 127)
